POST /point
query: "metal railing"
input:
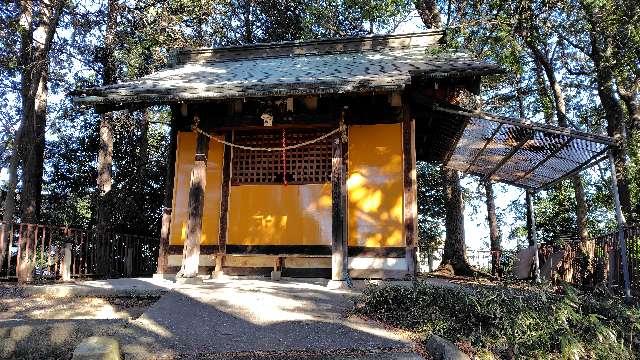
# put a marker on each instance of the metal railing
(40, 248)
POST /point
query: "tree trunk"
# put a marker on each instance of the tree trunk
(563, 121)
(105, 133)
(454, 259)
(105, 150)
(9, 204)
(531, 222)
(35, 47)
(601, 53)
(35, 107)
(494, 232)
(429, 13)
(25, 24)
(168, 194)
(630, 99)
(248, 31)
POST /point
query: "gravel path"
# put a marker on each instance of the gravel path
(233, 319)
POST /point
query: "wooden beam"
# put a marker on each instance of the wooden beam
(410, 213)
(191, 250)
(165, 229)
(338, 211)
(224, 195)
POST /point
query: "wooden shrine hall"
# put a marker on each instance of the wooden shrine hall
(298, 158)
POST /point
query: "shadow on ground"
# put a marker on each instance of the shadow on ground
(232, 319)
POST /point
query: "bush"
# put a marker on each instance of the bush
(510, 322)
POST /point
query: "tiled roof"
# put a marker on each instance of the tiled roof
(294, 68)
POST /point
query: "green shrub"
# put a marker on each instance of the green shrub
(510, 322)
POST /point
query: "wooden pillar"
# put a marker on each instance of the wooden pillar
(167, 203)
(224, 196)
(410, 213)
(533, 238)
(191, 250)
(622, 244)
(339, 211)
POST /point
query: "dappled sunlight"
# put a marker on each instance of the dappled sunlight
(280, 215)
(267, 304)
(20, 332)
(223, 315)
(61, 333)
(375, 185)
(151, 325)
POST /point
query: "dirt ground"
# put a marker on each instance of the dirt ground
(47, 327)
(233, 319)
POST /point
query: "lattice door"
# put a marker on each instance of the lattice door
(310, 164)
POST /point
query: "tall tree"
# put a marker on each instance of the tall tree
(454, 258)
(106, 55)
(494, 231)
(35, 72)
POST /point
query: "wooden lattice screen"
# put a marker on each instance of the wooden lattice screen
(310, 164)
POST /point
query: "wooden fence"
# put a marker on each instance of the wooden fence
(93, 253)
(606, 263)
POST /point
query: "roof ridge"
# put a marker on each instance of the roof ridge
(308, 47)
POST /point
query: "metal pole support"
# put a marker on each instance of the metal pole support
(532, 234)
(622, 245)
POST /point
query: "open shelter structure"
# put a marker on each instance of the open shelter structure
(300, 157)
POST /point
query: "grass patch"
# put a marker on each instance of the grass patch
(510, 323)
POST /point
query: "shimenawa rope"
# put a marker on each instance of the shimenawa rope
(341, 128)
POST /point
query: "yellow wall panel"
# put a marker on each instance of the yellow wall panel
(375, 185)
(280, 215)
(185, 156)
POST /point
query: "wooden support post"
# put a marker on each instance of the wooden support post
(410, 191)
(224, 196)
(191, 251)
(338, 210)
(533, 239)
(129, 262)
(622, 244)
(66, 262)
(165, 229)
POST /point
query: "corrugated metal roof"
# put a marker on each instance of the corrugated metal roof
(520, 153)
(300, 68)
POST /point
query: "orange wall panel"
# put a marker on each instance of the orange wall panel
(375, 185)
(185, 156)
(280, 215)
